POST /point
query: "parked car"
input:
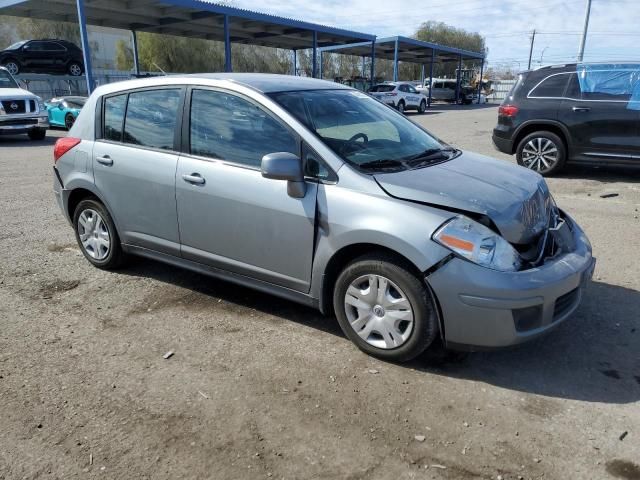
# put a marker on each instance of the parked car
(575, 113)
(400, 95)
(63, 111)
(315, 192)
(43, 56)
(444, 89)
(20, 110)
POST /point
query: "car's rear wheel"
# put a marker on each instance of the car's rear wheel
(37, 133)
(423, 107)
(401, 106)
(96, 235)
(69, 120)
(75, 69)
(543, 152)
(384, 308)
(13, 66)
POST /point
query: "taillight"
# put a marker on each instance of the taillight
(63, 145)
(507, 110)
(392, 94)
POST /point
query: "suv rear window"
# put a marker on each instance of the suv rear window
(382, 88)
(551, 87)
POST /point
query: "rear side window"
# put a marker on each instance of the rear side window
(228, 127)
(382, 88)
(114, 117)
(151, 118)
(616, 85)
(551, 87)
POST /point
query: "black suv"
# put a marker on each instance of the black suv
(578, 113)
(44, 56)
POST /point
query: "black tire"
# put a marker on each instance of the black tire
(37, 133)
(12, 65)
(425, 324)
(75, 69)
(544, 137)
(115, 256)
(401, 107)
(423, 107)
(69, 120)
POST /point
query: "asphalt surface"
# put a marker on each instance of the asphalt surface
(259, 387)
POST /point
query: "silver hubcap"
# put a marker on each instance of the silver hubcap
(12, 67)
(378, 311)
(540, 154)
(94, 234)
(75, 69)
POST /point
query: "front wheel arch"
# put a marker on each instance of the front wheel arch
(528, 128)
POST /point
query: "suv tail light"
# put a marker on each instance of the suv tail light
(63, 145)
(508, 111)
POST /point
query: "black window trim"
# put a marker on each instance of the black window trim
(99, 133)
(564, 97)
(186, 126)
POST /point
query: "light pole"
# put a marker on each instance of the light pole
(584, 31)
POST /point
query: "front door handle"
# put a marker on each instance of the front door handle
(105, 160)
(194, 178)
(581, 109)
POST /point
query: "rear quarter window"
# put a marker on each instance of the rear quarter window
(552, 86)
(114, 117)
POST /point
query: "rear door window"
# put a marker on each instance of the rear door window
(151, 118)
(553, 86)
(614, 85)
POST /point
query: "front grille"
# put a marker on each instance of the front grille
(14, 106)
(18, 121)
(32, 105)
(565, 303)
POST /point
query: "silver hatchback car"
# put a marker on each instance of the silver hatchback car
(318, 193)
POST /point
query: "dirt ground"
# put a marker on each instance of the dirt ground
(262, 388)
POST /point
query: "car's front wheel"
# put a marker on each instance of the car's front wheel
(69, 120)
(384, 308)
(543, 152)
(423, 107)
(75, 69)
(96, 234)
(401, 106)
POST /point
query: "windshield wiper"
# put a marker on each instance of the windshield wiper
(384, 163)
(430, 153)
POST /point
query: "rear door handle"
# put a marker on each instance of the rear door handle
(581, 109)
(105, 160)
(194, 178)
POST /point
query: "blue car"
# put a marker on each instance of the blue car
(63, 111)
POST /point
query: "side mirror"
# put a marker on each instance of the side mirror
(285, 166)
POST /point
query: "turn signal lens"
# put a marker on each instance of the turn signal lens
(63, 145)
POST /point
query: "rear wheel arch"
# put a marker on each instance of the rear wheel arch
(552, 127)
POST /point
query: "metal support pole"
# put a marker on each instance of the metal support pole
(373, 62)
(295, 62)
(422, 74)
(320, 66)
(136, 61)
(395, 61)
(480, 80)
(458, 78)
(433, 60)
(84, 39)
(364, 72)
(314, 66)
(227, 45)
(583, 40)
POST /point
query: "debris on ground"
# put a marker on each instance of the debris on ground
(624, 434)
(373, 371)
(609, 195)
(203, 394)
(435, 465)
(169, 354)
(419, 438)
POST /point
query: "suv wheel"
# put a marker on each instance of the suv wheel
(75, 69)
(401, 106)
(96, 235)
(384, 308)
(12, 66)
(543, 152)
(423, 107)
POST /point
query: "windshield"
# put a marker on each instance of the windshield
(363, 131)
(382, 88)
(6, 80)
(16, 45)
(75, 102)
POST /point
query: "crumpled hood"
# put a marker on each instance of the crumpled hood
(516, 199)
(15, 93)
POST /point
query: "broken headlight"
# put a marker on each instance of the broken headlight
(478, 244)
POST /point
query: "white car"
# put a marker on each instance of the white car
(400, 95)
(20, 110)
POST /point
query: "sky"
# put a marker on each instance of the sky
(506, 24)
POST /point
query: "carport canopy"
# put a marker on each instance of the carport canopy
(187, 18)
(405, 49)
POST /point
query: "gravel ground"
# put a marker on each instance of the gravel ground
(262, 388)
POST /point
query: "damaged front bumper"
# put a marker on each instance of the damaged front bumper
(483, 308)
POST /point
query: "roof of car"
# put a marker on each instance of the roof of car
(262, 82)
